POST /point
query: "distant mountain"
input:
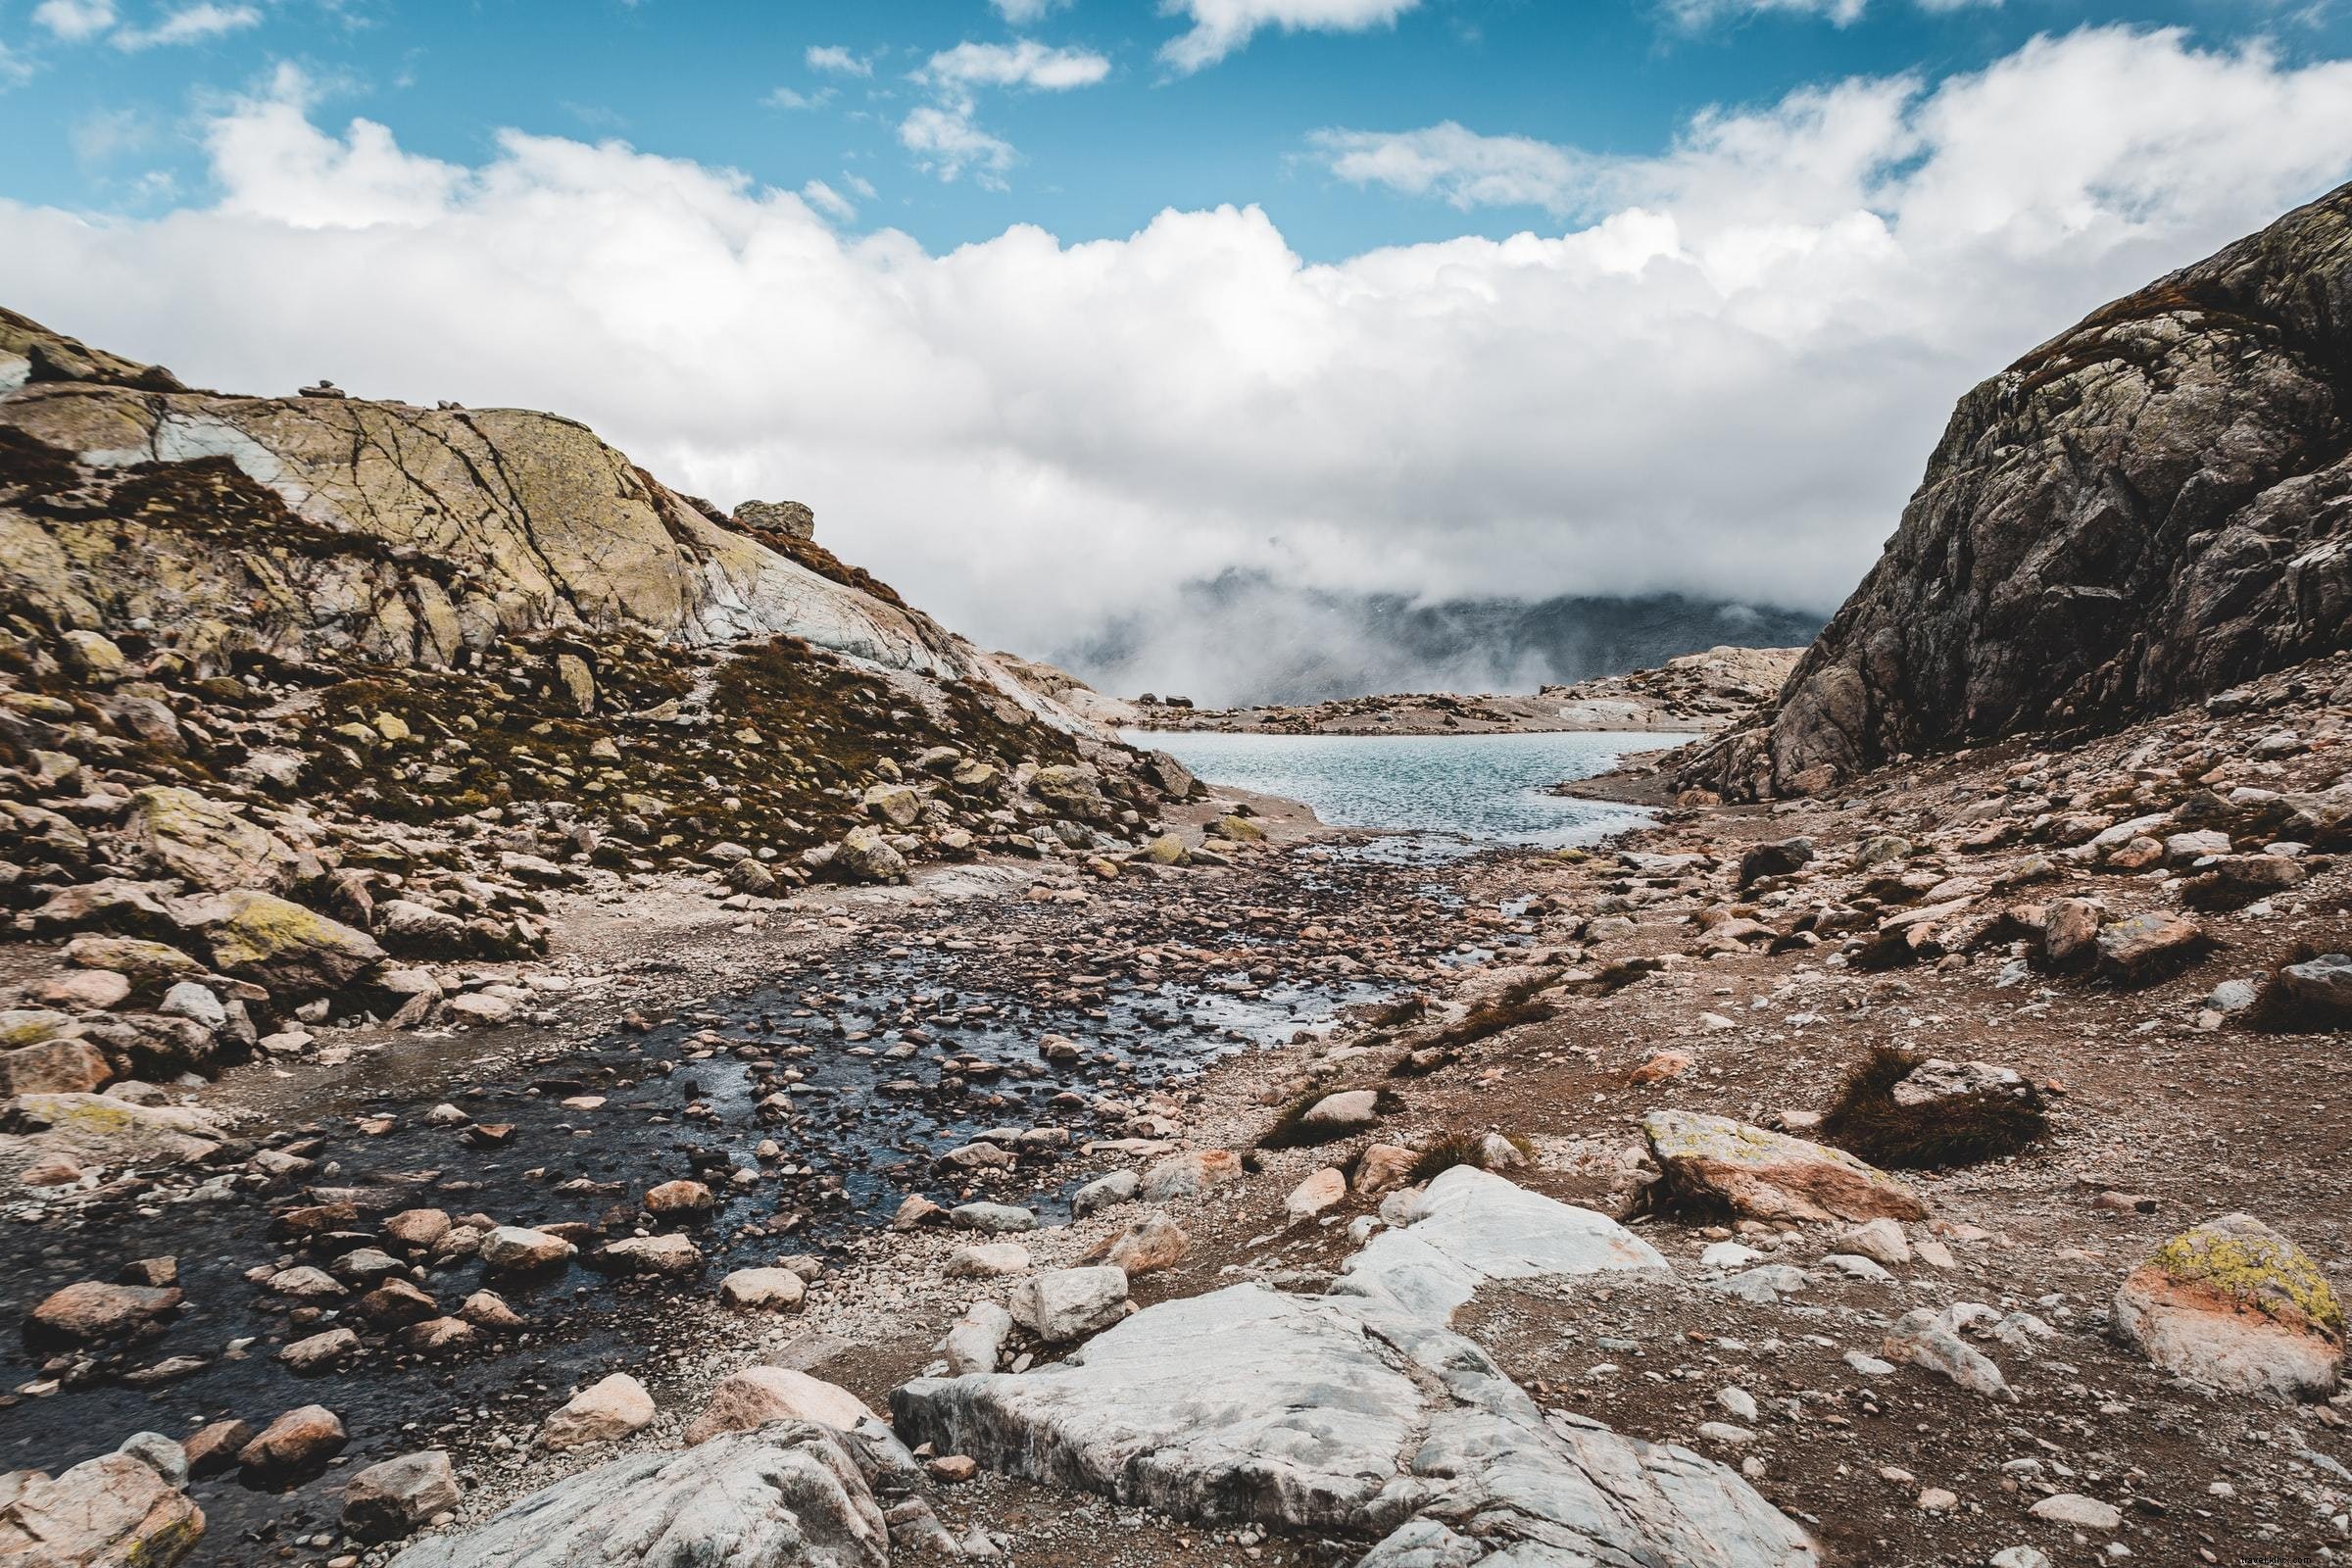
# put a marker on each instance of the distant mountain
(1242, 638)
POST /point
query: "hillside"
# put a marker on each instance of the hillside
(2147, 510)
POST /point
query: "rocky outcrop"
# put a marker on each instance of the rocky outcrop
(2234, 1305)
(2144, 510)
(1361, 1411)
(309, 694)
(791, 1492)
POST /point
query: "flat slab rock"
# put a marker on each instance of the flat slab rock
(1362, 1412)
(1469, 1227)
(792, 1492)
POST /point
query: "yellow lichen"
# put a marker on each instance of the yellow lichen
(2253, 1269)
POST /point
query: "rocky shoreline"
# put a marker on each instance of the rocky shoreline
(1698, 694)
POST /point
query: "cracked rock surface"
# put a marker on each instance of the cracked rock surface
(1358, 1412)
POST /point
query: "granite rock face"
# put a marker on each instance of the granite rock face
(2144, 510)
(1361, 1411)
(790, 1493)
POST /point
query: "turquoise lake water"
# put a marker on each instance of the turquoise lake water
(1444, 794)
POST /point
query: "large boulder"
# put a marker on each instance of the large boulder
(2148, 509)
(273, 942)
(2234, 1305)
(206, 844)
(604, 1411)
(792, 1492)
(1714, 1162)
(1362, 1412)
(395, 1498)
(759, 1395)
(1332, 1415)
(113, 1512)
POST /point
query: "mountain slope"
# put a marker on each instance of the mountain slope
(2147, 508)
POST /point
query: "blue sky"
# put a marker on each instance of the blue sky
(1442, 298)
(107, 120)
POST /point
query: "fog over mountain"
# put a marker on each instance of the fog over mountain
(1242, 638)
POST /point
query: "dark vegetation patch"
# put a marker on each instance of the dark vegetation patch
(1461, 1148)
(1865, 1120)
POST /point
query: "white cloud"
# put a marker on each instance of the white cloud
(790, 98)
(74, 20)
(15, 71)
(188, 24)
(835, 58)
(1464, 167)
(944, 135)
(1723, 376)
(1221, 26)
(824, 198)
(1697, 14)
(1027, 13)
(946, 142)
(1024, 63)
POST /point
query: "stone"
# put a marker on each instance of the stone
(1103, 1192)
(113, 1512)
(159, 1453)
(93, 1312)
(1246, 1405)
(1783, 859)
(604, 1411)
(2146, 946)
(1382, 1169)
(1928, 1339)
(1881, 1240)
(988, 1260)
(321, 1352)
(294, 1447)
(1190, 1175)
(863, 855)
(2235, 1307)
(1338, 1114)
(1062, 1304)
(1937, 1080)
(682, 1199)
(2075, 1510)
(53, 1067)
(108, 1129)
(514, 1249)
(976, 1340)
(197, 1003)
(399, 1497)
(210, 846)
(1317, 1193)
(418, 1229)
(261, 936)
(83, 990)
(213, 1448)
(1770, 1176)
(1469, 1227)
(668, 1255)
(992, 1219)
(1146, 1246)
(761, 1289)
(791, 1494)
(758, 1394)
(2321, 985)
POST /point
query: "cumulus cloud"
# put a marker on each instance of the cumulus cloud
(1221, 26)
(1024, 63)
(1461, 165)
(188, 24)
(944, 134)
(825, 199)
(1026, 13)
(74, 19)
(1697, 14)
(835, 58)
(1722, 377)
